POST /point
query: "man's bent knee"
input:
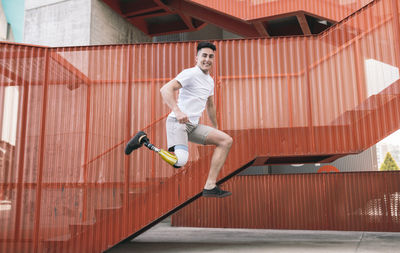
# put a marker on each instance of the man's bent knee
(219, 138)
(182, 154)
(228, 141)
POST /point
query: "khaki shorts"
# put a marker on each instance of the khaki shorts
(180, 134)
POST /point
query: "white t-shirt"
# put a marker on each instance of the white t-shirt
(196, 88)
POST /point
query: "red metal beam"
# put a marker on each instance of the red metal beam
(303, 24)
(140, 23)
(161, 4)
(22, 153)
(199, 12)
(187, 20)
(12, 76)
(128, 133)
(143, 16)
(69, 67)
(260, 27)
(41, 151)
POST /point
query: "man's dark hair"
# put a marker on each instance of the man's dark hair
(205, 44)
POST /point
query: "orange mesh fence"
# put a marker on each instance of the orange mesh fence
(359, 201)
(66, 184)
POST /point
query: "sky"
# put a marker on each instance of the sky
(394, 138)
(15, 11)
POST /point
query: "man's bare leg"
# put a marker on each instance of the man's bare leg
(223, 143)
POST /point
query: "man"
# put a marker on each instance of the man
(196, 92)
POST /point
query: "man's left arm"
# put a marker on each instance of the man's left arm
(212, 114)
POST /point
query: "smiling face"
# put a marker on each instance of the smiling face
(205, 59)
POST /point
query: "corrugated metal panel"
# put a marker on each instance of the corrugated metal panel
(347, 108)
(335, 10)
(68, 186)
(359, 201)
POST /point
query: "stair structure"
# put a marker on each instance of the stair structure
(283, 100)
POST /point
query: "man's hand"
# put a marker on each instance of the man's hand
(181, 117)
(167, 93)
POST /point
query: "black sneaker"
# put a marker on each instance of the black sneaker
(216, 192)
(136, 142)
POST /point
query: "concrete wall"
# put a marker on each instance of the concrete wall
(108, 27)
(57, 22)
(3, 24)
(76, 23)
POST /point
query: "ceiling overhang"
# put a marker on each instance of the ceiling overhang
(247, 18)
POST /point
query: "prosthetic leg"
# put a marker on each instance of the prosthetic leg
(141, 139)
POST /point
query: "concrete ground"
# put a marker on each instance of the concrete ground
(164, 238)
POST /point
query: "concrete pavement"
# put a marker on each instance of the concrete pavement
(164, 238)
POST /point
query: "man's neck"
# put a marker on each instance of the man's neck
(204, 71)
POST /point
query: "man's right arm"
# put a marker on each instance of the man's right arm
(168, 95)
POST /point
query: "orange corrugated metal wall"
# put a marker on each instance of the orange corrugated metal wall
(356, 201)
(335, 61)
(67, 187)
